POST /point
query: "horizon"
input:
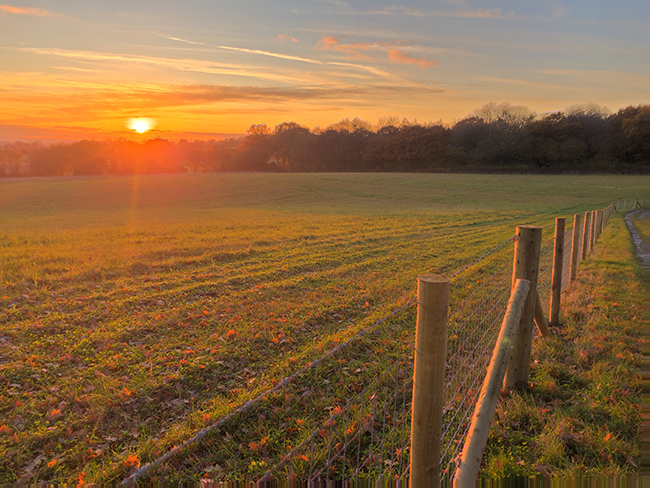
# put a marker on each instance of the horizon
(83, 70)
(148, 134)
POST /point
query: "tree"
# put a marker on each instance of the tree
(354, 125)
(557, 142)
(409, 148)
(291, 147)
(631, 142)
(49, 160)
(495, 134)
(504, 114)
(159, 156)
(87, 158)
(254, 151)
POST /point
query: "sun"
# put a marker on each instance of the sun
(140, 125)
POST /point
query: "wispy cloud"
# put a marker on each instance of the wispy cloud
(271, 54)
(207, 99)
(24, 11)
(602, 76)
(338, 3)
(400, 57)
(370, 69)
(79, 70)
(286, 37)
(530, 84)
(465, 13)
(184, 64)
(360, 51)
(185, 41)
(252, 51)
(558, 12)
(277, 74)
(352, 51)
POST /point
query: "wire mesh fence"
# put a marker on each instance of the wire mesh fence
(347, 415)
(478, 302)
(567, 248)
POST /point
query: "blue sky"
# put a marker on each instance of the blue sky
(201, 68)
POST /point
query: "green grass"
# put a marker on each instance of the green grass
(581, 412)
(134, 311)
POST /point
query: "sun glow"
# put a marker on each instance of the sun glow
(140, 125)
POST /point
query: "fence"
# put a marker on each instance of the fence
(346, 417)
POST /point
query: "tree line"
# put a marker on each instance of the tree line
(497, 137)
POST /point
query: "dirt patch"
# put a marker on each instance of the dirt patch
(642, 246)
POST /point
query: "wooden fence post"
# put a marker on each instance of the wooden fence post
(556, 280)
(428, 380)
(585, 236)
(525, 267)
(601, 223)
(610, 210)
(470, 459)
(575, 246)
(594, 214)
(540, 318)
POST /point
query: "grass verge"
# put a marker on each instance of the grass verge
(580, 414)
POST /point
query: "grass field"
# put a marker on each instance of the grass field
(134, 311)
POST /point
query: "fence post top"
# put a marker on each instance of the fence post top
(433, 278)
(531, 227)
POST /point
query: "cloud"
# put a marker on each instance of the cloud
(79, 70)
(271, 54)
(294, 77)
(184, 40)
(353, 51)
(602, 76)
(531, 84)
(193, 65)
(465, 14)
(358, 51)
(286, 37)
(400, 57)
(252, 51)
(161, 96)
(338, 3)
(202, 94)
(24, 11)
(559, 12)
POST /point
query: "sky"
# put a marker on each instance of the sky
(201, 69)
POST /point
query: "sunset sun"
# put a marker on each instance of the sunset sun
(140, 125)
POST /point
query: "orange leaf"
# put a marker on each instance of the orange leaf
(54, 414)
(132, 460)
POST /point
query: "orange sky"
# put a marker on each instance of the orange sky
(82, 69)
